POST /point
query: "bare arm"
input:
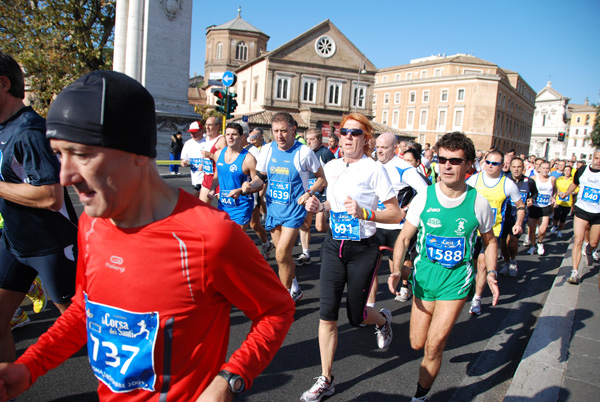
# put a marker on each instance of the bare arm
(49, 196)
(400, 247)
(491, 256)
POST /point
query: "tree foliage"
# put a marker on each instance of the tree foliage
(595, 135)
(57, 41)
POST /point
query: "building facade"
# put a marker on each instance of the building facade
(435, 95)
(582, 120)
(549, 119)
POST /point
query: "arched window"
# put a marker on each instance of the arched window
(219, 54)
(241, 51)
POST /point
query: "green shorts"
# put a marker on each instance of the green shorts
(432, 281)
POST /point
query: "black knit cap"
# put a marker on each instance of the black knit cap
(107, 109)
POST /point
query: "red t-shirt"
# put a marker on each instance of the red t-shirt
(186, 270)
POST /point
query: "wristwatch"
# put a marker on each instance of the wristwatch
(236, 382)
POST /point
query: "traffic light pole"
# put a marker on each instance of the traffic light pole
(224, 117)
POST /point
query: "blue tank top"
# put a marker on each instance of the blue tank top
(231, 176)
(285, 184)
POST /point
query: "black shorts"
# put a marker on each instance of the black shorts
(539, 212)
(388, 237)
(197, 187)
(561, 213)
(56, 270)
(508, 224)
(591, 218)
(347, 262)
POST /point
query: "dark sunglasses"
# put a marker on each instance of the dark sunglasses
(453, 161)
(493, 163)
(353, 131)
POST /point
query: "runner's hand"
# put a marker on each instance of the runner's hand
(393, 281)
(313, 205)
(352, 208)
(493, 284)
(14, 380)
(517, 230)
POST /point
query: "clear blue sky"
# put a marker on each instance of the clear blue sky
(538, 39)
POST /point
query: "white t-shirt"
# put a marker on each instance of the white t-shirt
(365, 181)
(402, 174)
(305, 161)
(483, 211)
(192, 151)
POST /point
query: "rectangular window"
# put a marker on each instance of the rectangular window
(442, 120)
(412, 97)
(255, 95)
(444, 95)
(384, 117)
(282, 87)
(437, 72)
(397, 98)
(576, 131)
(425, 96)
(410, 117)
(460, 95)
(395, 117)
(397, 77)
(423, 120)
(424, 74)
(384, 79)
(358, 96)
(458, 119)
(386, 99)
(374, 98)
(309, 89)
(243, 92)
(409, 76)
(334, 92)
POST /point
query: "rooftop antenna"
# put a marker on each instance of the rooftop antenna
(240, 11)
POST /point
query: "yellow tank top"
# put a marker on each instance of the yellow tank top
(562, 184)
(496, 197)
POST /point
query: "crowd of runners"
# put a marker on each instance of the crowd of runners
(449, 217)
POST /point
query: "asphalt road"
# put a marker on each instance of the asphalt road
(480, 358)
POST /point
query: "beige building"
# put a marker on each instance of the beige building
(579, 144)
(318, 76)
(435, 95)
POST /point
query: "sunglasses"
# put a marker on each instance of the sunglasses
(453, 161)
(353, 131)
(493, 163)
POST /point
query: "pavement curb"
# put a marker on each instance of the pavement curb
(540, 373)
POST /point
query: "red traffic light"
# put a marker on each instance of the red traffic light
(561, 136)
(219, 94)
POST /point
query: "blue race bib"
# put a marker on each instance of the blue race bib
(195, 164)
(207, 166)
(279, 192)
(564, 199)
(448, 251)
(591, 195)
(344, 226)
(227, 201)
(543, 199)
(121, 346)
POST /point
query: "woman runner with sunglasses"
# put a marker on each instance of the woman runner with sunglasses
(350, 253)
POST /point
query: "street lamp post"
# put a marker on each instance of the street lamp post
(361, 70)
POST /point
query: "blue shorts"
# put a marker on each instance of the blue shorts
(56, 270)
(289, 222)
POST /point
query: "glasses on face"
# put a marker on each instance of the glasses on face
(353, 131)
(453, 161)
(493, 163)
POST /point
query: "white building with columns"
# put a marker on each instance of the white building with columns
(549, 118)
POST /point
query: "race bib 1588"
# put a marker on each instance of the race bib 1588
(448, 251)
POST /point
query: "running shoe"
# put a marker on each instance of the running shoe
(574, 278)
(405, 294)
(512, 268)
(37, 295)
(553, 230)
(421, 399)
(266, 249)
(19, 319)
(540, 249)
(589, 257)
(527, 242)
(596, 255)
(504, 269)
(297, 295)
(531, 250)
(320, 389)
(302, 259)
(475, 308)
(559, 234)
(584, 248)
(384, 334)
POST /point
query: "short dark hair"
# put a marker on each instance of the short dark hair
(414, 153)
(236, 126)
(10, 68)
(415, 145)
(455, 141)
(284, 117)
(496, 152)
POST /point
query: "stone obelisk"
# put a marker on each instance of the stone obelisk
(152, 45)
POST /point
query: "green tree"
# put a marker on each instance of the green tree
(57, 41)
(595, 135)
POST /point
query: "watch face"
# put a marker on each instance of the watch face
(238, 384)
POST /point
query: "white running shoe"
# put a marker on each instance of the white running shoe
(267, 248)
(512, 268)
(320, 389)
(540, 249)
(475, 308)
(296, 296)
(405, 294)
(504, 269)
(574, 278)
(596, 255)
(527, 242)
(384, 334)
(302, 259)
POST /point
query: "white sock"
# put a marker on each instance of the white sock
(295, 286)
(476, 297)
(306, 252)
(371, 305)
